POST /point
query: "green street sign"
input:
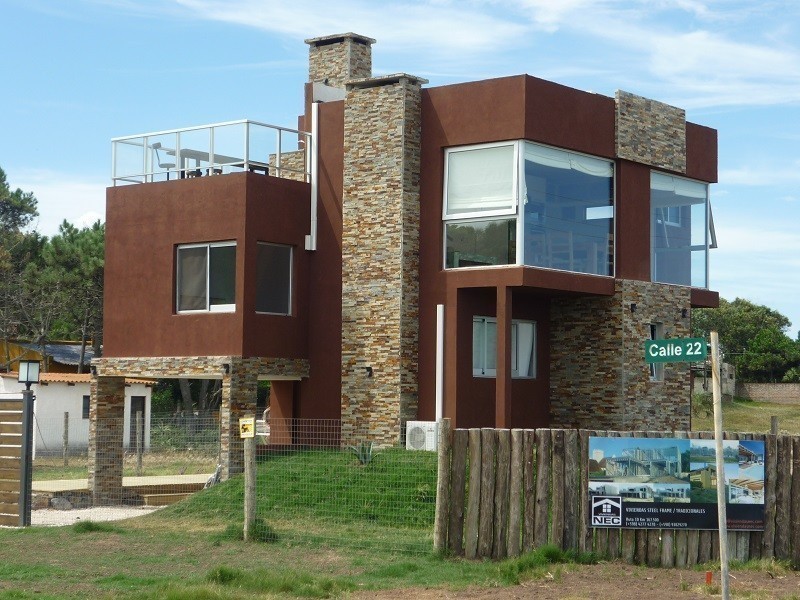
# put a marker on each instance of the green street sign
(677, 350)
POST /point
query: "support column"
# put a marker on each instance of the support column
(239, 389)
(106, 426)
(502, 403)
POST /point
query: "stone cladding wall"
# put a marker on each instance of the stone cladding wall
(380, 247)
(609, 386)
(293, 165)
(336, 59)
(239, 386)
(106, 425)
(651, 132)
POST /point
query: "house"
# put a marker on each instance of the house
(496, 252)
(66, 396)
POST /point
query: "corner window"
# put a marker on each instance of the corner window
(85, 407)
(680, 230)
(656, 369)
(484, 348)
(274, 279)
(206, 277)
(528, 204)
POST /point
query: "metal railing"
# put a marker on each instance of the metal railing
(214, 149)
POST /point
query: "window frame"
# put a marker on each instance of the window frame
(519, 201)
(291, 280)
(485, 373)
(513, 210)
(708, 233)
(210, 308)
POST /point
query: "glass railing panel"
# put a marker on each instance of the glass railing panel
(229, 146)
(129, 160)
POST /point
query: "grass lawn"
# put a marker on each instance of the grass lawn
(328, 525)
(745, 416)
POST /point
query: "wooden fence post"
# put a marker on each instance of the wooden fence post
(486, 518)
(515, 494)
(542, 487)
(249, 487)
(442, 488)
(458, 481)
(474, 498)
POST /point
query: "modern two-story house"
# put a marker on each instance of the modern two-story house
(496, 252)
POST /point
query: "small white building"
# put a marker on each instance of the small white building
(58, 394)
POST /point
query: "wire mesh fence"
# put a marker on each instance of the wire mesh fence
(310, 488)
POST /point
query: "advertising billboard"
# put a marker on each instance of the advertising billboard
(671, 483)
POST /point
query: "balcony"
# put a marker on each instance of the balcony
(209, 150)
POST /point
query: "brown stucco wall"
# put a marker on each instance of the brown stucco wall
(144, 225)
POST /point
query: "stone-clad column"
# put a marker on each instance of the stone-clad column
(239, 389)
(335, 59)
(106, 426)
(380, 257)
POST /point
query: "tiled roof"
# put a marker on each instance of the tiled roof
(72, 378)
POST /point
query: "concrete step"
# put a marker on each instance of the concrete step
(164, 499)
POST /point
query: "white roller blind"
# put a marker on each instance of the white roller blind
(561, 159)
(480, 180)
(678, 186)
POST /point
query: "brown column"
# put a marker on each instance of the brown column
(281, 401)
(239, 389)
(502, 405)
(106, 426)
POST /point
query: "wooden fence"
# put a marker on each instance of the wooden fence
(10, 457)
(504, 492)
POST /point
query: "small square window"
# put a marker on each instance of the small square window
(206, 277)
(484, 348)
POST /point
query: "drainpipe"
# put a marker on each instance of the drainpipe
(313, 156)
(439, 362)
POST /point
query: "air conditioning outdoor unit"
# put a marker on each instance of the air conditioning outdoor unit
(421, 435)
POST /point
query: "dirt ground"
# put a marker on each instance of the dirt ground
(619, 581)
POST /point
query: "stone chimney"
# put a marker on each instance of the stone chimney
(335, 59)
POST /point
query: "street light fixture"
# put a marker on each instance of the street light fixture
(28, 372)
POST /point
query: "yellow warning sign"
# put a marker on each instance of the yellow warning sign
(247, 427)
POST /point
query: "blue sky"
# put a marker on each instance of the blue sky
(78, 72)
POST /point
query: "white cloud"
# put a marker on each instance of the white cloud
(408, 26)
(786, 174)
(62, 196)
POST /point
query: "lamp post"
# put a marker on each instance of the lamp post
(28, 374)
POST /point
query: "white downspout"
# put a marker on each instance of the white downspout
(439, 362)
(313, 156)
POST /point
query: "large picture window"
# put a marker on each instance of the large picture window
(679, 230)
(484, 348)
(274, 279)
(206, 277)
(528, 204)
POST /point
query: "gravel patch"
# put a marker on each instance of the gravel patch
(50, 517)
